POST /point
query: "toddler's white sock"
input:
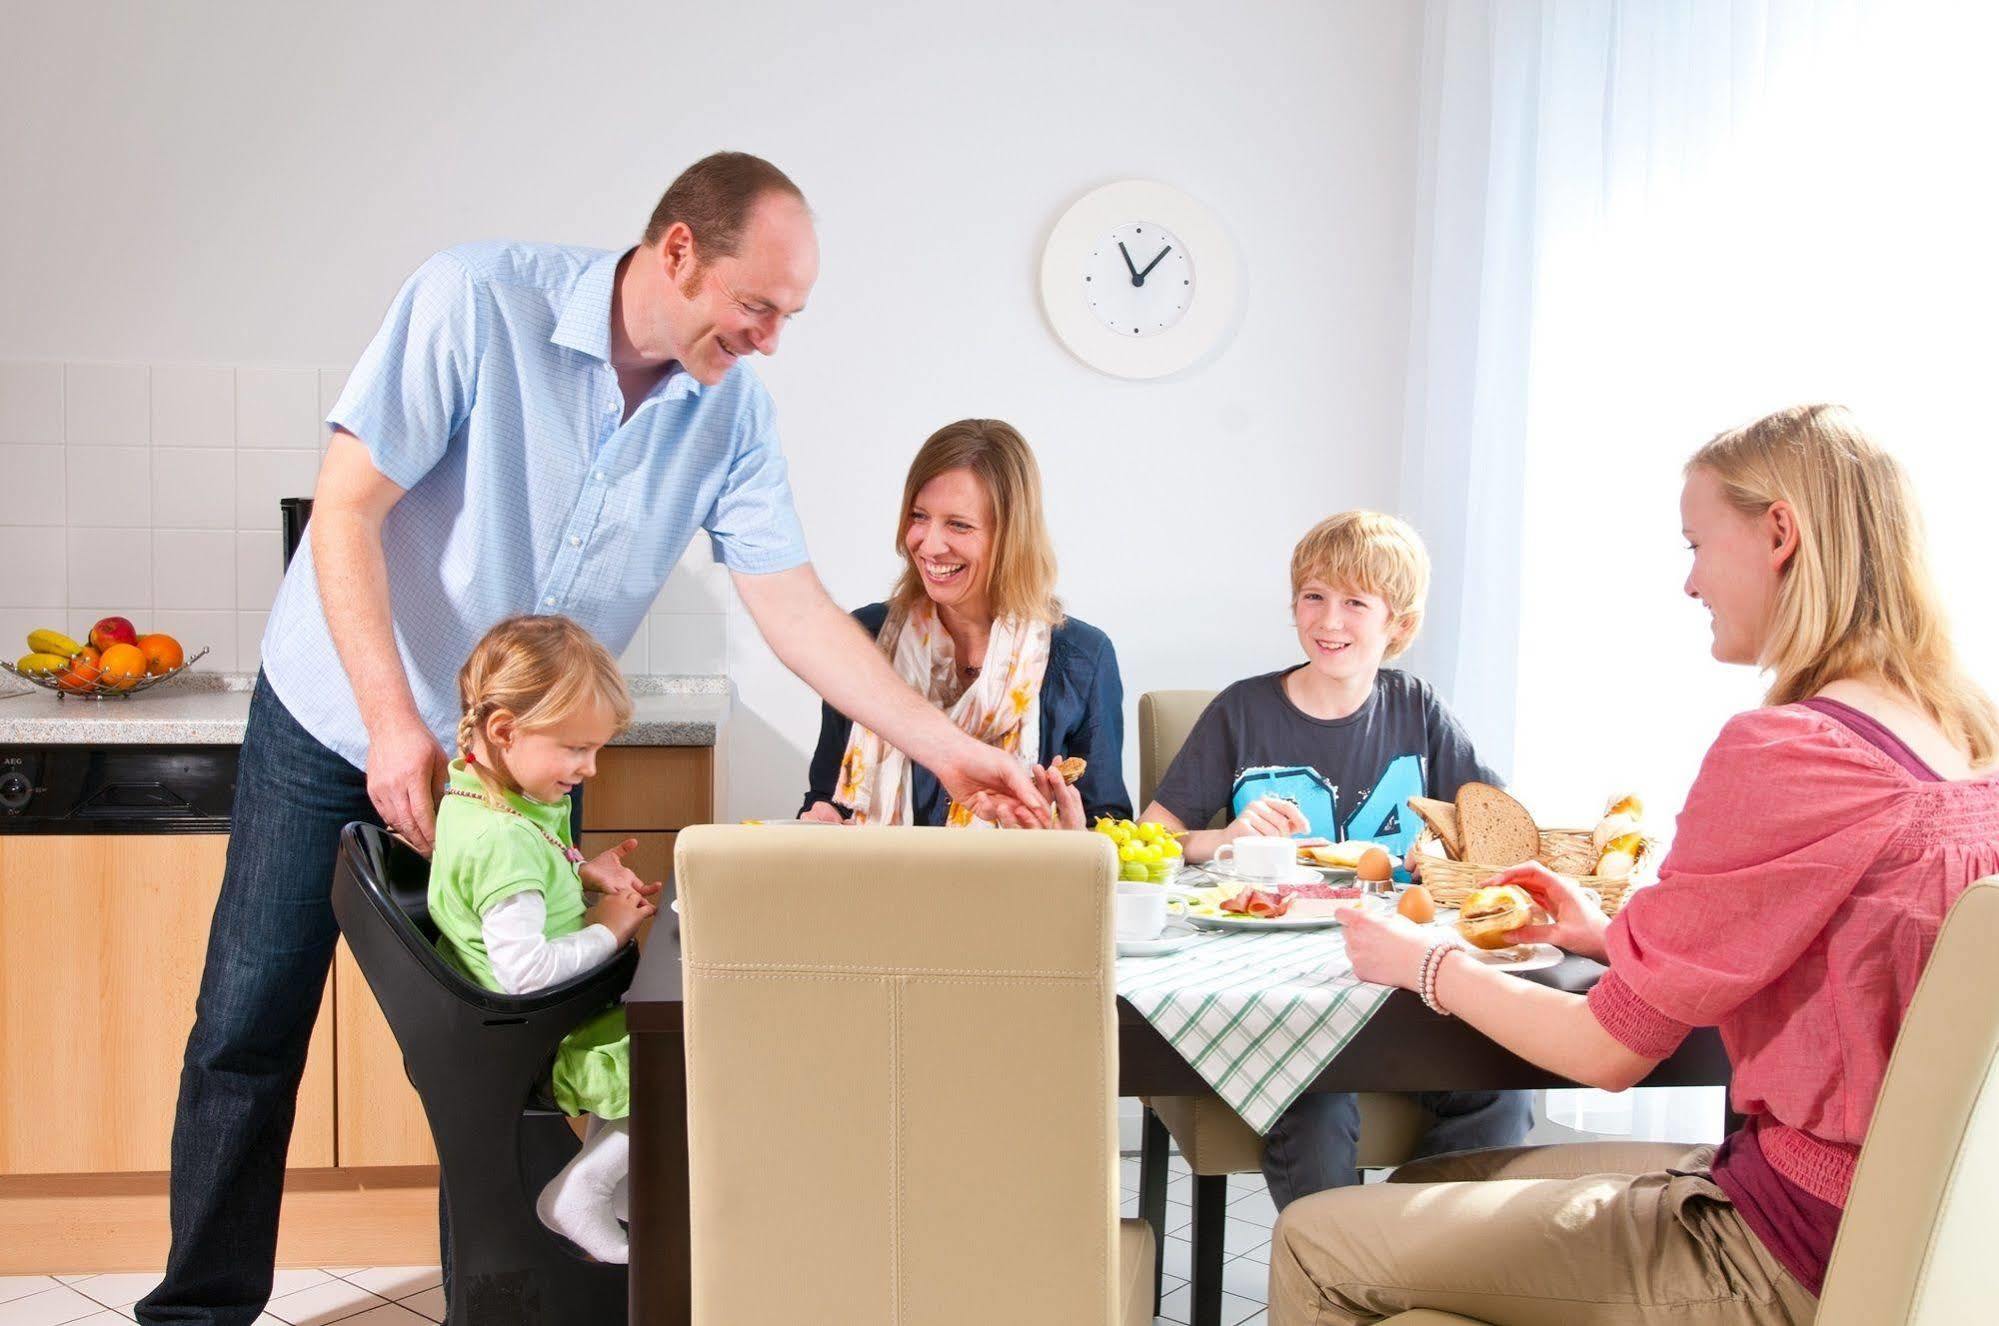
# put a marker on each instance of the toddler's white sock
(577, 1201)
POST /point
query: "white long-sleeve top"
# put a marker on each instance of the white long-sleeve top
(524, 959)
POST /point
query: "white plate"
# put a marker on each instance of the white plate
(1171, 940)
(1520, 957)
(1262, 923)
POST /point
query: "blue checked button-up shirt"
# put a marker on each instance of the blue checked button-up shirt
(489, 396)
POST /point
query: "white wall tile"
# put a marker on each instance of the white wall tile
(260, 569)
(249, 637)
(32, 486)
(277, 407)
(262, 477)
(106, 405)
(634, 661)
(111, 487)
(194, 569)
(194, 405)
(332, 381)
(684, 643)
(215, 631)
(30, 403)
(194, 488)
(33, 569)
(112, 566)
(698, 584)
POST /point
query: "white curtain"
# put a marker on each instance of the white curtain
(1640, 224)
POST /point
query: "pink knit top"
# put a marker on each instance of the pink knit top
(1810, 872)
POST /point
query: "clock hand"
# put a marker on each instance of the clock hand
(1138, 278)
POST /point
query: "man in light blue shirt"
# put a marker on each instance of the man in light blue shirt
(535, 428)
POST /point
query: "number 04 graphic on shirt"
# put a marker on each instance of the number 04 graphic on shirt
(1382, 817)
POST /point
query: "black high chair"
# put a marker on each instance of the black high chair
(480, 1061)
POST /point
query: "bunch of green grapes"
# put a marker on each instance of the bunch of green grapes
(1145, 852)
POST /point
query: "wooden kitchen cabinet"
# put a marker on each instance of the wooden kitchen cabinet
(102, 940)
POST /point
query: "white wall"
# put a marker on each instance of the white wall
(247, 184)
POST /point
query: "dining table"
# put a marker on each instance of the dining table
(1332, 1033)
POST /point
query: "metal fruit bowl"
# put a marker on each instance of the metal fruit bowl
(97, 690)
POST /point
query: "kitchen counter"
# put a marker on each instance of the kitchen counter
(210, 709)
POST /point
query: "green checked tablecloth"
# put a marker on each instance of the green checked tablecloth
(1257, 1015)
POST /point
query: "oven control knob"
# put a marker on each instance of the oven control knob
(15, 790)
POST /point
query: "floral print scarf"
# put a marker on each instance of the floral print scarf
(1002, 707)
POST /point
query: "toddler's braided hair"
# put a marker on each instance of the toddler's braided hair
(540, 668)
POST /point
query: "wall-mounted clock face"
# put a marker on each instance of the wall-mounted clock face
(1139, 280)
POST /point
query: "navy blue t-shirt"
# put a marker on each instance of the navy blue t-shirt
(1352, 777)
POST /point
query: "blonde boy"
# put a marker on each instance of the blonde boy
(1335, 747)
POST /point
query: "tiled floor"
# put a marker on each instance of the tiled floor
(353, 1296)
(412, 1296)
(1246, 1245)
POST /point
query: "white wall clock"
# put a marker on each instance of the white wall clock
(1139, 280)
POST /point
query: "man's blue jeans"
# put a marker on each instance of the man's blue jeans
(269, 948)
(1313, 1144)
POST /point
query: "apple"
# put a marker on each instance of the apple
(111, 631)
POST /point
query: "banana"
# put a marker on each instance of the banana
(41, 665)
(53, 642)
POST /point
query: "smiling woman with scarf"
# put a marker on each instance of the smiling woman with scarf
(974, 625)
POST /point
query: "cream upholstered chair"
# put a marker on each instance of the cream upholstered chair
(1912, 1246)
(902, 1079)
(1213, 1139)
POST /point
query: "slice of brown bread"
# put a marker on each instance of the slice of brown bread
(1442, 817)
(1495, 830)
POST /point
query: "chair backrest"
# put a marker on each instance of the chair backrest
(901, 1075)
(1925, 1200)
(1164, 720)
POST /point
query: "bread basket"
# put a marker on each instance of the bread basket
(1570, 852)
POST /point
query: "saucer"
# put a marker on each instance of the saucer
(1171, 940)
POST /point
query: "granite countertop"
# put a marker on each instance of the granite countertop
(210, 709)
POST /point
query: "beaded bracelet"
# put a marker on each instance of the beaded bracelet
(1426, 986)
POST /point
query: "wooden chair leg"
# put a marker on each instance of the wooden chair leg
(1211, 1207)
(1152, 1193)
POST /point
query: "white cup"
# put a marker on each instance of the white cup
(1260, 858)
(1142, 909)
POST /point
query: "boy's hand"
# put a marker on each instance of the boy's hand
(607, 873)
(823, 812)
(621, 914)
(1268, 817)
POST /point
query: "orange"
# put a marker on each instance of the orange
(122, 666)
(82, 673)
(163, 653)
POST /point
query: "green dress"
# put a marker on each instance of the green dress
(485, 855)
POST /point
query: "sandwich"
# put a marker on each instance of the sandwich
(1071, 768)
(1488, 917)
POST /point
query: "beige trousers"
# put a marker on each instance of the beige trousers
(1611, 1233)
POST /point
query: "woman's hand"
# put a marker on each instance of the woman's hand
(1067, 800)
(621, 914)
(1578, 922)
(823, 812)
(1387, 949)
(607, 873)
(1268, 817)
